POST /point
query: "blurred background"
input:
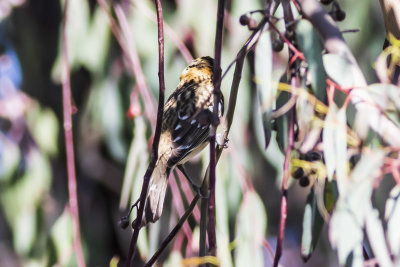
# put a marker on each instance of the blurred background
(113, 122)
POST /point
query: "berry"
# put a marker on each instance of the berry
(304, 181)
(298, 173)
(244, 20)
(277, 45)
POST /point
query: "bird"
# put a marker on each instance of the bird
(185, 129)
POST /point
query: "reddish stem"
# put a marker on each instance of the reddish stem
(156, 141)
(285, 179)
(188, 194)
(178, 203)
(69, 143)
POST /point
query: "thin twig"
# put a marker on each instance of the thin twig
(135, 65)
(168, 31)
(285, 179)
(180, 209)
(69, 143)
(154, 155)
(174, 231)
(227, 125)
(217, 94)
(239, 60)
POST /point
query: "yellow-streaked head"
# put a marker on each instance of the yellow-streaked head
(201, 67)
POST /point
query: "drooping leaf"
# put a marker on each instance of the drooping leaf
(250, 230)
(61, 240)
(44, 127)
(304, 115)
(335, 143)
(88, 38)
(21, 200)
(338, 69)
(376, 236)
(222, 218)
(282, 122)
(353, 206)
(9, 158)
(309, 44)
(346, 234)
(266, 90)
(328, 136)
(312, 226)
(392, 216)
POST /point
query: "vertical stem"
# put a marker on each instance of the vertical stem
(217, 93)
(154, 154)
(285, 179)
(69, 144)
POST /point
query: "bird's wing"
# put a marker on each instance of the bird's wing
(192, 126)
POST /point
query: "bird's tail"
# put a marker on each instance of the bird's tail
(156, 193)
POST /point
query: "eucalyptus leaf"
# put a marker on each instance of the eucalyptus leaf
(354, 208)
(266, 91)
(309, 44)
(328, 136)
(338, 68)
(44, 127)
(346, 234)
(392, 216)
(10, 156)
(335, 144)
(250, 231)
(312, 226)
(222, 219)
(61, 240)
(282, 122)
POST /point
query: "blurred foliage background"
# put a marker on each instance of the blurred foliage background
(112, 132)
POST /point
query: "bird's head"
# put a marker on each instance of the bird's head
(200, 67)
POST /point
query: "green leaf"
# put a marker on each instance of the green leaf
(9, 158)
(282, 122)
(88, 38)
(309, 44)
(21, 200)
(61, 241)
(312, 226)
(43, 124)
(250, 231)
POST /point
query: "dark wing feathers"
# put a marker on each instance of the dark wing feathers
(188, 132)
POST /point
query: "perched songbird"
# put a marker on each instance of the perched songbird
(185, 129)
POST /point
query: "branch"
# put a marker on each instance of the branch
(174, 231)
(285, 179)
(239, 60)
(334, 43)
(168, 31)
(154, 155)
(69, 143)
(217, 94)
(129, 49)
